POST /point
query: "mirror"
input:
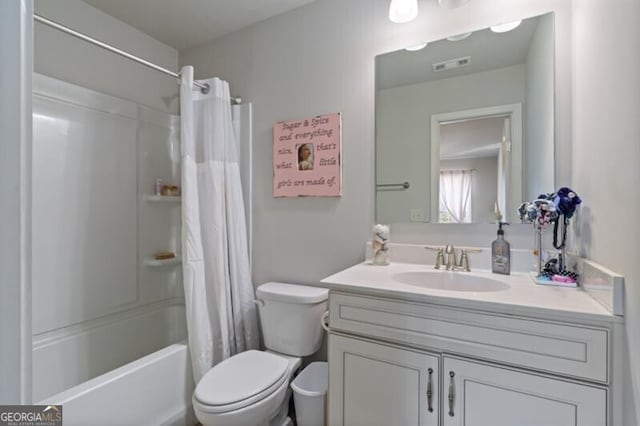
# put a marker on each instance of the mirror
(465, 125)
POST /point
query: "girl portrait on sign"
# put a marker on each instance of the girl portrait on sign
(305, 156)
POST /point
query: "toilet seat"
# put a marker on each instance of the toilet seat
(240, 381)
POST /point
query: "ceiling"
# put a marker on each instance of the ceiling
(471, 138)
(488, 51)
(186, 23)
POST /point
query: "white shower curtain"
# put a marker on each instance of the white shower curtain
(221, 317)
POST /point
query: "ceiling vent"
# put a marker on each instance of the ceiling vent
(451, 64)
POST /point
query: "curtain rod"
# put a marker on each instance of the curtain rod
(204, 87)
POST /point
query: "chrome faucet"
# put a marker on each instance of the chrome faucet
(451, 263)
(464, 259)
(439, 256)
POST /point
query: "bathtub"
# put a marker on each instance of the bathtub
(153, 390)
(72, 355)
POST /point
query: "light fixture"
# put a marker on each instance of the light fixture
(416, 47)
(459, 37)
(402, 11)
(452, 4)
(503, 28)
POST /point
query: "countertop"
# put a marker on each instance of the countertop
(523, 297)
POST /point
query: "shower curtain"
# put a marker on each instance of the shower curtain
(221, 317)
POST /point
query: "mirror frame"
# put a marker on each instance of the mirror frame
(514, 111)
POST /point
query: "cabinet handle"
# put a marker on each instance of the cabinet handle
(452, 393)
(430, 391)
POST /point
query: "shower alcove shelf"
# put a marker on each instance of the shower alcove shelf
(169, 200)
(162, 199)
(164, 262)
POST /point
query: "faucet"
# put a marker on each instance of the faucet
(452, 263)
(439, 256)
(464, 258)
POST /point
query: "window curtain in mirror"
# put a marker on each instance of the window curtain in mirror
(455, 194)
(219, 299)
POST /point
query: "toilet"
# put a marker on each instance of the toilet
(252, 387)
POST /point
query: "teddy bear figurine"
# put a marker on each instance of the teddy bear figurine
(379, 244)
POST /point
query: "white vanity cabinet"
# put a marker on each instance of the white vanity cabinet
(393, 362)
(484, 395)
(377, 384)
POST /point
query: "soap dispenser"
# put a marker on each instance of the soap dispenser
(501, 253)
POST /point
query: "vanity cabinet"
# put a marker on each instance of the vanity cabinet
(402, 363)
(484, 395)
(377, 384)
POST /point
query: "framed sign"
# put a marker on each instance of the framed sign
(306, 157)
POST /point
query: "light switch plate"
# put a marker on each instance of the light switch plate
(416, 215)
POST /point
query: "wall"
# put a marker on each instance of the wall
(15, 195)
(538, 118)
(296, 65)
(76, 150)
(484, 189)
(404, 136)
(69, 59)
(606, 127)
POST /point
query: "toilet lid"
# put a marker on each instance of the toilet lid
(246, 377)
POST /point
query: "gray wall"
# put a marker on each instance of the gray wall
(606, 149)
(66, 58)
(318, 59)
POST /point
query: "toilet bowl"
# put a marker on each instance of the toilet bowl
(251, 388)
(225, 397)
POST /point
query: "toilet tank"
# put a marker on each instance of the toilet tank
(290, 317)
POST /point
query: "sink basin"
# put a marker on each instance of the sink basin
(451, 281)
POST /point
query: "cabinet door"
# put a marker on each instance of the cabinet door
(373, 384)
(476, 394)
